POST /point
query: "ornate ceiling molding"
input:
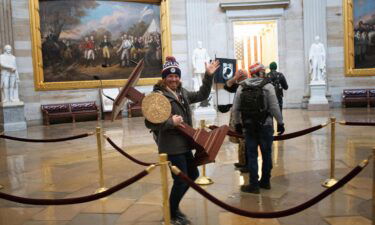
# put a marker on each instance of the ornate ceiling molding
(255, 4)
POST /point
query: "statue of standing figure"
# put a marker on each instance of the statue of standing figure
(200, 58)
(9, 76)
(317, 61)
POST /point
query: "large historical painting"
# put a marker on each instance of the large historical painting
(80, 39)
(359, 37)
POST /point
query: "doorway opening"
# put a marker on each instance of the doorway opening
(255, 41)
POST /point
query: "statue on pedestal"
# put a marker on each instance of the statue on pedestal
(317, 61)
(9, 76)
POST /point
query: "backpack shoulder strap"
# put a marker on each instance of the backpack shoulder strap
(264, 82)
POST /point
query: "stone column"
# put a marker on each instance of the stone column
(314, 24)
(6, 30)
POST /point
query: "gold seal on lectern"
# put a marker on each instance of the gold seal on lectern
(156, 108)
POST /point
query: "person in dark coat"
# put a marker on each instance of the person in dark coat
(279, 82)
(168, 138)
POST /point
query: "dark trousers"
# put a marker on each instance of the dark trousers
(264, 139)
(280, 100)
(186, 164)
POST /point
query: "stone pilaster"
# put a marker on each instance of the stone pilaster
(197, 30)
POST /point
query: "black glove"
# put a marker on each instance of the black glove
(280, 129)
(238, 128)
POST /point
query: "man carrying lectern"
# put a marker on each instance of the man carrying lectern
(169, 140)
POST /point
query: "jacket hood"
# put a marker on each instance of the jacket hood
(160, 86)
(252, 81)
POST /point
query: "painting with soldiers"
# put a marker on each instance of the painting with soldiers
(84, 38)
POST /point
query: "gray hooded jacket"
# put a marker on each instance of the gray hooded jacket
(270, 101)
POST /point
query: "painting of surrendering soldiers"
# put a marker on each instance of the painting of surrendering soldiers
(85, 38)
(364, 34)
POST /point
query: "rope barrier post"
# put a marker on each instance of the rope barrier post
(99, 142)
(204, 180)
(332, 181)
(1, 186)
(163, 158)
(373, 185)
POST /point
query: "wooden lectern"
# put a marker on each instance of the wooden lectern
(207, 144)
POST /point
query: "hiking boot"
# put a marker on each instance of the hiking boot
(250, 189)
(182, 216)
(265, 185)
(179, 221)
(244, 170)
(239, 165)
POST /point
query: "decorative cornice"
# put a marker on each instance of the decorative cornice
(255, 4)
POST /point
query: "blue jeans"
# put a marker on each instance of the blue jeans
(264, 139)
(185, 162)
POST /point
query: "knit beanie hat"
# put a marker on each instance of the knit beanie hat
(256, 68)
(171, 66)
(273, 66)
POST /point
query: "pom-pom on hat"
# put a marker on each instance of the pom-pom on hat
(171, 66)
(256, 68)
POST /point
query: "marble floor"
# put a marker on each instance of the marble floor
(70, 169)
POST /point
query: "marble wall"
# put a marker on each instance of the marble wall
(335, 55)
(291, 52)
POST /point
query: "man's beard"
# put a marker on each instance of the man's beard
(174, 85)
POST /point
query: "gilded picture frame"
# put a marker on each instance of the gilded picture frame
(93, 72)
(359, 37)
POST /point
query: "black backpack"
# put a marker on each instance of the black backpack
(275, 80)
(252, 106)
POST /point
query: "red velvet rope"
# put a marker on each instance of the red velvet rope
(44, 140)
(77, 200)
(126, 154)
(359, 123)
(275, 214)
(278, 137)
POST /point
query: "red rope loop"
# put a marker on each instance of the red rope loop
(278, 137)
(126, 154)
(77, 200)
(275, 214)
(358, 123)
(44, 140)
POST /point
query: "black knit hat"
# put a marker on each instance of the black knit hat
(171, 66)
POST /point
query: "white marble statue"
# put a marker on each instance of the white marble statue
(200, 57)
(317, 61)
(9, 76)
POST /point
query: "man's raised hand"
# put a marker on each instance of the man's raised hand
(212, 67)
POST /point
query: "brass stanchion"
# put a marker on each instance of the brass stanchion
(100, 159)
(373, 185)
(1, 186)
(332, 181)
(163, 158)
(203, 180)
